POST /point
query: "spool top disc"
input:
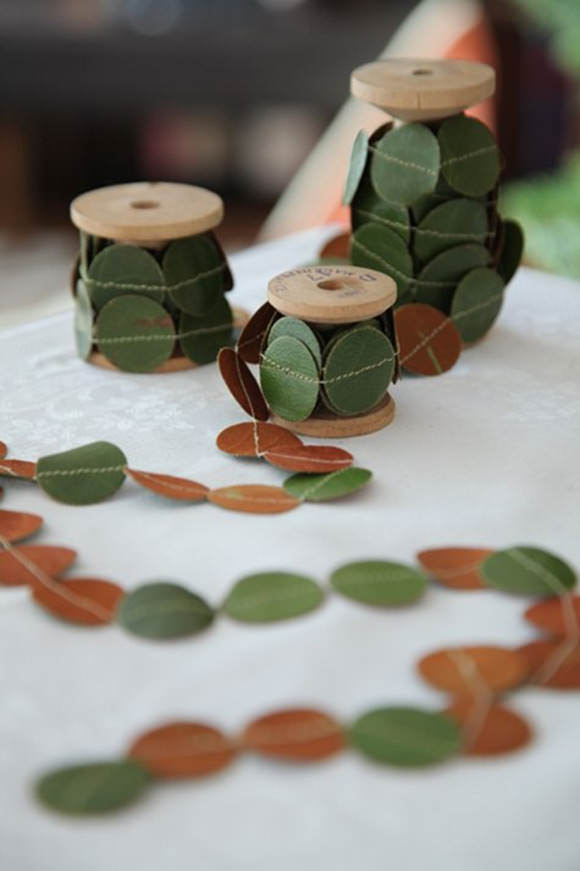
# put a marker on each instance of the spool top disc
(420, 90)
(147, 211)
(332, 294)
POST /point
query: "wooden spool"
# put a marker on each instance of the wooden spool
(330, 296)
(423, 90)
(149, 215)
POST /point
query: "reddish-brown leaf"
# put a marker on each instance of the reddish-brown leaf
(560, 615)
(338, 246)
(429, 342)
(18, 469)
(554, 664)
(253, 498)
(183, 750)
(301, 734)
(253, 439)
(491, 731)
(473, 670)
(22, 565)
(179, 489)
(3, 450)
(254, 334)
(455, 567)
(14, 525)
(310, 458)
(89, 601)
(242, 384)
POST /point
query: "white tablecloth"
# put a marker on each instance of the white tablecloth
(485, 455)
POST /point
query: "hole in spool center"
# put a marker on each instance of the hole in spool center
(144, 204)
(336, 284)
(422, 72)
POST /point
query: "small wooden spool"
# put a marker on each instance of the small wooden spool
(423, 90)
(330, 296)
(149, 215)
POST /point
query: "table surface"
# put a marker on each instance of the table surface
(484, 455)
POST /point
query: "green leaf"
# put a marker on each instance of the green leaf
(358, 159)
(528, 571)
(270, 596)
(454, 223)
(94, 788)
(376, 247)
(437, 280)
(368, 207)
(290, 378)
(83, 476)
(202, 338)
(162, 610)
(358, 369)
(196, 273)
(406, 737)
(469, 156)
(287, 326)
(121, 269)
(320, 488)
(477, 303)
(513, 248)
(405, 164)
(135, 333)
(378, 582)
(83, 320)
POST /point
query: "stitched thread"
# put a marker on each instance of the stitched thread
(422, 231)
(155, 288)
(154, 337)
(487, 150)
(272, 364)
(70, 472)
(389, 158)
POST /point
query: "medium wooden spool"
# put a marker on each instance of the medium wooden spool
(330, 296)
(423, 90)
(149, 215)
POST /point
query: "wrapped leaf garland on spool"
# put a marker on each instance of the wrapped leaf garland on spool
(325, 343)
(423, 197)
(151, 278)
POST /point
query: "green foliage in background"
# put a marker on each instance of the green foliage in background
(561, 20)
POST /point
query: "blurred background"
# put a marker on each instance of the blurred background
(234, 95)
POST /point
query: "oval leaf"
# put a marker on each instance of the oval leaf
(3, 450)
(31, 564)
(454, 223)
(554, 664)
(406, 737)
(290, 378)
(320, 488)
(378, 582)
(376, 247)
(356, 168)
(124, 269)
(358, 368)
(88, 601)
(135, 333)
(469, 156)
(179, 489)
(83, 475)
(429, 343)
(300, 734)
(256, 439)
(183, 750)
(196, 273)
(271, 596)
(254, 499)
(163, 610)
(18, 469)
(253, 336)
(560, 616)
(477, 303)
(309, 458)
(474, 670)
(405, 164)
(528, 571)
(455, 567)
(242, 384)
(498, 730)
(287, 326)
(14, 525)
(94, 788)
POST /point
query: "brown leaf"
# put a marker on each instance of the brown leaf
(310, 458)
(14, 525)
(3, 450)
(429, 342)
(89, 601)
(179, 489)
(242, 384)
(18, 469)
(22, 565)
(254, 334)
(554, 664)
(338, 246)
(455, 567)
(253, 498)
(560, 615)
(183, 750)
(493, 731)
(300, 734)
(254, 438)
(474, 670)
